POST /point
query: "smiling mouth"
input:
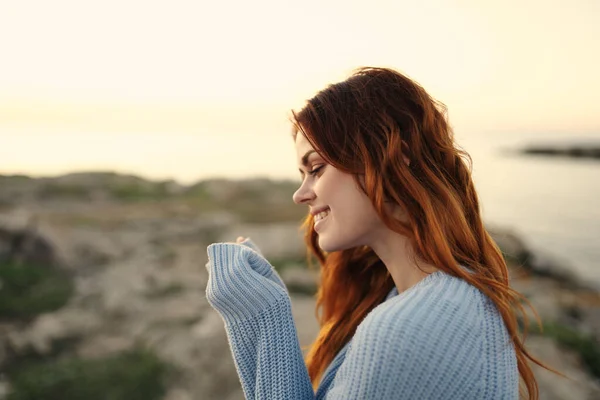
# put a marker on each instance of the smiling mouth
(320, 219)
(322, 215)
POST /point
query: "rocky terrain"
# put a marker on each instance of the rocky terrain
(579, 150)
(130, 255)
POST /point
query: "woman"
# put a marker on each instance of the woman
(414, 295)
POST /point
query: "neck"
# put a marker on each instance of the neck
(396, 252)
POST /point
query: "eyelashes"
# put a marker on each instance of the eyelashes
(315, 171)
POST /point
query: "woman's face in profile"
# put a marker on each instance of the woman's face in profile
(345, 217)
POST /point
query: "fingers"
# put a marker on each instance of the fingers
(240, 239)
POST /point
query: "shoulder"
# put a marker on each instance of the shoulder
(423, 343)
(440, 310)
(431, 341)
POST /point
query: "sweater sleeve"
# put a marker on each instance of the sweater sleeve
(420, 354)
(255, 306)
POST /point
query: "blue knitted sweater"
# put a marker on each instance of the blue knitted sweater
(439, 339)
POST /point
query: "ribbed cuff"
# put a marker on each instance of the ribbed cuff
(241, 282)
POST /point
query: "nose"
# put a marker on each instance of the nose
(304, 193)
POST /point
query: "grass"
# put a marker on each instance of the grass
(28, 290)
(134, 375)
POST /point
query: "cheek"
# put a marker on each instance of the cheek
(352, 209)
(354, 220)
(327, 187)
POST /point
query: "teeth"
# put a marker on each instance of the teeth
(321, 215)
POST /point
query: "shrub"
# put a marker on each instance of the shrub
(585, 345)
(134, 375)
(28, 290)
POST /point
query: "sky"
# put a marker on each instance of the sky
(193, 89)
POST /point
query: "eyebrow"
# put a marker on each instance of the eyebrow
(305, 157)
(305, 160)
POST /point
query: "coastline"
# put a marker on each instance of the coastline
(134, 251)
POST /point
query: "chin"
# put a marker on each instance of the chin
(326, 245)
(331, 245)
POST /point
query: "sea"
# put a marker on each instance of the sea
(552, 202)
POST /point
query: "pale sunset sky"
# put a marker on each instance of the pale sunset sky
(194, 89)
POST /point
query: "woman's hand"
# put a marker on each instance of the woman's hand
(248, 243)
(241, 281)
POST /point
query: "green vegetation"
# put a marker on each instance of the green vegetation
(198, 191)
(253, 201)
(585, 345)
(301, 287)
(165, 291)
(85, 186)
(281, 264)
(138, 191)
(63, 190)
(135, 375)
(304, 290)
(14, 178)
(28, 290)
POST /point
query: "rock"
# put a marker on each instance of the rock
(202, 355)
(552, 386)
(545, 296)
(96, 346)
(4, 388)
(17, 190)
(178, 394)
(83, 248)
(544, 264)
(510, 243)
(572, 150)
(44, 331)
(538, 262)
(21, 241)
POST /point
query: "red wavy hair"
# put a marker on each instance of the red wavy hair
(358, 126)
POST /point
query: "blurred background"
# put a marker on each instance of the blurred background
(135, 133)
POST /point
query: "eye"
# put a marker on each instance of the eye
(315, 170)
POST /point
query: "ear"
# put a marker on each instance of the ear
(405, 153)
